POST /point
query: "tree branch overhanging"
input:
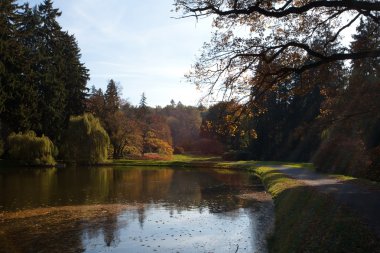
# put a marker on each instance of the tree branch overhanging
(287, 9)
(306, 34)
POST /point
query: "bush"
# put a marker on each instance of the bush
(30, 149)
(210, 147)
(179, 150)
(342, 155)
(85, 140)
(159, 146)
(237, 155)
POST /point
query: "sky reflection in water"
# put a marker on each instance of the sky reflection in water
(169, 210)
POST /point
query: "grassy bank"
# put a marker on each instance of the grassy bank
(309, 221)
(202, 161)
(306, 220)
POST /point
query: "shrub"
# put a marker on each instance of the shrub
(159, 146)
(342, 155)
(85, 140)
(179, 150)
(210, 147)
(237, 155)
(30, 149)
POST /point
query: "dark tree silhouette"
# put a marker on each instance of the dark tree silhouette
(260, 43)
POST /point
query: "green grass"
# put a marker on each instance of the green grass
(309, 221)
(176, 161)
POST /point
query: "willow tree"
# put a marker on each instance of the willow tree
(260, 45)
(85, 140)
(30, 149)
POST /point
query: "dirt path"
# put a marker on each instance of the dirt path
(361, 199)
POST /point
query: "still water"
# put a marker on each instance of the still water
(132, 209)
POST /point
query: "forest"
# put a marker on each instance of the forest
(328, 114)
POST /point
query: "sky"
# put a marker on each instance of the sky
(138, 44)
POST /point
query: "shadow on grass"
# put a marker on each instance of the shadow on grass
(310, 221)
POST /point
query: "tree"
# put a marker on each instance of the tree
(85, 140)
(172, 103)
(262, 43)
(8, 46)
(112, 97)
(30, 149)
(17, 98)
(42, 79)
(143, 107)
(184, 123)
(226, 123)
(351, 140)
(125, 134)
(96, 103)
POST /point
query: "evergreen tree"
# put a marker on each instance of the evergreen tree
(143, 103)
(351, 143)
(42, 79)
(143, 107)
(12, 115)
(112, 98)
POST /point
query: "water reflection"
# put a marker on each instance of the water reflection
(162, 210)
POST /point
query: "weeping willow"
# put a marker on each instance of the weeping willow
(30, 149)
(85, 140)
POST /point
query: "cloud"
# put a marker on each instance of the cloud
(137, 43)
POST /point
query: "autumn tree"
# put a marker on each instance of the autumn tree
(96, 103)
(184, 123)
(125, 133)
(224, 121)
(262, 43)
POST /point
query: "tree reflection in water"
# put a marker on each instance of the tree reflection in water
(91, 209)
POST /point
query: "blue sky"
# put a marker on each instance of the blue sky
(137, 44)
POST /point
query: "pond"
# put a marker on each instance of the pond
(133, 209)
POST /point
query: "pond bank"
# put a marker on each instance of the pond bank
(307, 219)
(133, 209)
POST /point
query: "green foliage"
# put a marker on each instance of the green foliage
(42, 81)
(85, 140)
(30, 149)
(112, 98)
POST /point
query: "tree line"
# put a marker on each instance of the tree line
(137, 130)
(330, 115)
(47, 109)
(42, 80)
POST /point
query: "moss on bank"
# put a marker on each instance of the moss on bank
(310, 221)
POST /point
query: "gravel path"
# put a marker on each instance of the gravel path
(363, 200)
